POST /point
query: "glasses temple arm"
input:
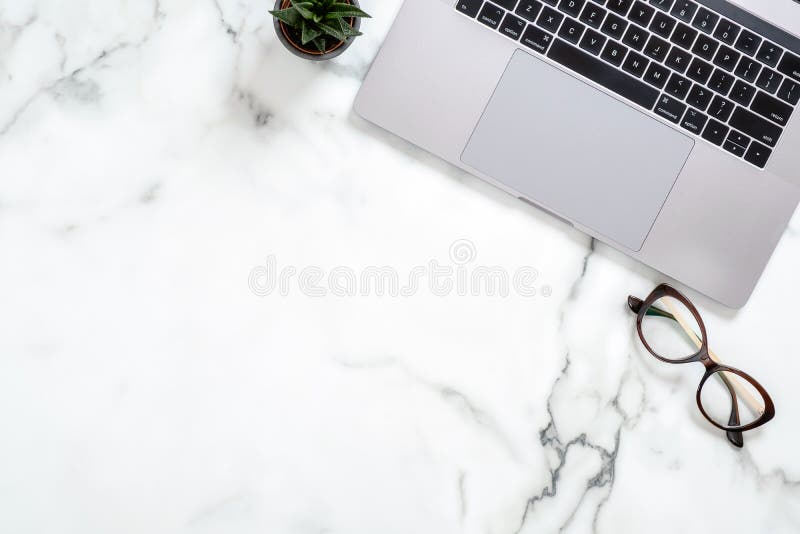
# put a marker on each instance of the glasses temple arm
(734, 436)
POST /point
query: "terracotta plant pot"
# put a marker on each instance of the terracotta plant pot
(291, 37)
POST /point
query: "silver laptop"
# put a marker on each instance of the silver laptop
(665, 128)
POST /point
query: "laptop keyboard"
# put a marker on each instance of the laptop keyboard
(681, 61)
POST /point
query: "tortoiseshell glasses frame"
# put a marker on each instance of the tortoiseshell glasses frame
(729, 376)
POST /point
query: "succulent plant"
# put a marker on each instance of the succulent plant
(320, 22)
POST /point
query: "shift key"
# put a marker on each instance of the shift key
(756, 127)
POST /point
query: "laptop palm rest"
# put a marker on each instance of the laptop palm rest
(577, 151)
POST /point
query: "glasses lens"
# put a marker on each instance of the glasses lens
(670, 329)
(718, 395)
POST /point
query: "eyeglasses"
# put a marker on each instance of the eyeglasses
(672, 330)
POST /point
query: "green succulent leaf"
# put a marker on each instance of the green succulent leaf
(304, 8)
(288, 16)
(308, 32)
(334, 31)
(320, 43)
(348, 30)
(347, 10)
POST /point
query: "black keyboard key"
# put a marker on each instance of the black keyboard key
(733, 148)
(664, 5)
(715, 132)
(529, 9)
(670, 108)
(571, 31)
(739, 138)
(748, 43)
(678, 60)
(700, 71)
(491, 15)
(614, 53)
(635, 37)
(721, 82)
(657, 48)
(635, 64)
(603, 74)
(512, 26)
(684, 36)
(720, 109)
(772, 108)
(756, 127)
(550, 20)
(662, 25)
(678, 86)
(551, 2)
(508, 4)
(694, 121)
(758, 155)
(699, 97)
(593, 15)
(742, 93)
(748, 69)
(705, 47)
(769, 53)
(790, 66)
(593, 42)
(790, 91)
(620, 7)
(641, 14)
(727, 58)
(469, 7)
(705, 21)
(656, 75)
(614, 26)
(537, 39)
(684, 10)
(727, 32)
(571, 7)
(769, 80)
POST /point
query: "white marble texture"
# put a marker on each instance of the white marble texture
(152, 153)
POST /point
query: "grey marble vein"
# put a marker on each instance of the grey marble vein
(260, 114)
(229, 30)
(449, 394)
(104, 54)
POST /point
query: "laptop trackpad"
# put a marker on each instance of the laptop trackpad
(577, 151)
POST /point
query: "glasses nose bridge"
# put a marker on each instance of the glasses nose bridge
(704, 358)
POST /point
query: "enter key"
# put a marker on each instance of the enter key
(771, 108)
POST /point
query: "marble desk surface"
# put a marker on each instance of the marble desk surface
(163, 161)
